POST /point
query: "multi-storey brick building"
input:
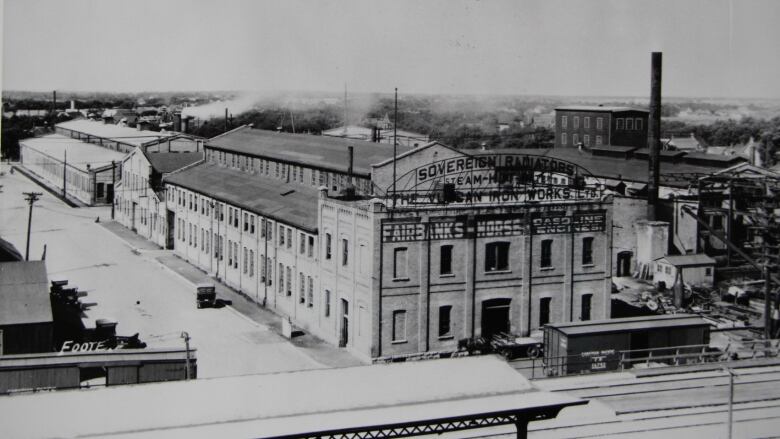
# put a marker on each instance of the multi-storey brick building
(592, 126)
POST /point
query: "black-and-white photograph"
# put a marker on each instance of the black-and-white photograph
(390, 218)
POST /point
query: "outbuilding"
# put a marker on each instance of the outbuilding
(26, 322)
(698, 269)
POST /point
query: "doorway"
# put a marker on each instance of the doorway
(171, 219)
(624, 263)
(344, 333)
(495, 317)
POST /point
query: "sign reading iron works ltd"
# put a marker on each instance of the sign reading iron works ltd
(493, 179)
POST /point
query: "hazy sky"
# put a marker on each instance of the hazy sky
(715, 48)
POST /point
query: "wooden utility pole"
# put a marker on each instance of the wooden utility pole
(186, 338)
(31, 198)
(395, 141)
(65, 175)
(113, 184)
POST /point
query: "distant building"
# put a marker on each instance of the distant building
(120, 116)
(125, 139)
(26, 319)
(378, 135)
(600, 125)
(689, 143)
(692, 269)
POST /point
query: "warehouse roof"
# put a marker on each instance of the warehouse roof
(613, 148)
(605, 108)
(688, 260)
(24, 293)
(80, 154)
(645, 152)
(629, 324)
(329, 153)
(288, 404)
(118, 133)
(293, 204)
(165, 162)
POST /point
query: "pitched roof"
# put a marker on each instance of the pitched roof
(130, 136)
(329, 153)
(593, 327)
(165, 162)
(687, 260)
(604, 108)
(80, 154)
(292, 204)
(24, 293)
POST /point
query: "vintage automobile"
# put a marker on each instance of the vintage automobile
(206, 295)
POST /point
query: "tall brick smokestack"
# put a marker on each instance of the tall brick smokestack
(654, 135)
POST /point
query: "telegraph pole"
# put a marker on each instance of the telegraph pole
(65, 174)
(113, 185)
(31, 198)
(186, 338)
(395, 141)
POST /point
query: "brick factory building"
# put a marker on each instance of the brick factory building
(594, 126)
(457, 246)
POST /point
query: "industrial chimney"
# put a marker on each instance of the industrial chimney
(654, 136)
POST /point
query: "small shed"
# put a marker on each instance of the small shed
(595, 346)
(698, 269)
(26, 322)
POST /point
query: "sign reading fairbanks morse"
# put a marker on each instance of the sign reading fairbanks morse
(494, 179)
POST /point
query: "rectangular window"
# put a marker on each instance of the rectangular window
(230, 253)
(444, 320)
(327, 303)
(598, 140)
(344, 252)
(399, 263)
(586, 139)
(302, 288)
(310, 301)
(399, 326)
(246, 222)
(599, 123)
(575, 139)
(281, 278)
(251, 263)
(638, 124)
(619, 124)
(576, 122)
(262, 225)
(544, 310)
(445, 259)
(281, 235)
(587, 251)
(563, 138)
(302, 241)
(235, 253)
(252, 224)
(564, 121)
(289, 238)
(629, 124)
(245, 265)
(497, 256)
(586, 122)
(547, 253)
(708, 271)
(668, 269)
(311, 246)
(289, 281)
(586, 299)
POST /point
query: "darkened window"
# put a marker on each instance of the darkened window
(586, 299)
(639, 124)
(629, 124)
(399, 325)
(620, 124)
(544, 311)
(587, 251)
(497, 256)
(445, 260)
(281, 235)
(399, 263)
(327, 245)
(327, 303)
(289, 238)
(547, 253)
(444, 320)
(246, 222)
(708, 271)
(311, 246)
(302, 240)
(344, 252)
(302, 287)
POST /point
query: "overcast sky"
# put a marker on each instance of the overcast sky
(711, 48)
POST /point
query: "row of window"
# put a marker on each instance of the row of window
(628, 123)
(496, 257)
(575, 139)
(585, 122)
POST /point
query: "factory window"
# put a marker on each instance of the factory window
(189, 197)
(563, 138)
(281, 235)
(399, 263)
(444, 320)
(230, 253)
(245, 265)
(235, 218)
(658, 268)
(262, 225)
(313, 178)
(267, 167)
(235, 255)
(289, 238)
(575, 139)
(586, 122)
(302, 245)
(599, 123)
(585, 312)
(196, 203)
(322, 178)
(252, 224)
(276, 169)
(230, 215)
(295, 173)
(327, 303)
(445, 259)
(598, 140)
(302, 288)
(564, 121)
(246, 222)
(619, 124)
(270, 229)
(708, 271)
(281, 278)
(289, 281)
(638, 124)
(547, 253)
(399, 326)
(587, 139)
(587, 251)
(544, 310)
(497, 256)
(270, 270)
(629, 124)
(344, 252)
(311, 246)
(310, 301)
(327, 245)
(251, 263)
(576, 122)
(668, 269)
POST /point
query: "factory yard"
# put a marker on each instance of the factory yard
(132, 286)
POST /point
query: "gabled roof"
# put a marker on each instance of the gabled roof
(165, 162)
(24, 293)
(687, 260)
(748, 170)
(328, 153)
(292, 204)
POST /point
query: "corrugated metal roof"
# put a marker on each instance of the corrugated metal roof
(629, 324)
(605, 108)
(322, 152)
(686, 260)
(24, 293)
(258, 194)
(118, 133)
(165, 162)
(80, 154)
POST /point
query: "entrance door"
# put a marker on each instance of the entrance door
(344, 338)
(109, 193)
(495, 317)
(624, 264)
(171, 219)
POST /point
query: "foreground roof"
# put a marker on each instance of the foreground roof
(688, 260)
(629, 324)
(324, 152)
(165, 162)
(130, 136)
(24, 293)
(80, 154)
(282, 404)
(292, 204)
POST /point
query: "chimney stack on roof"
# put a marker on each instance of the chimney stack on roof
(654, 135)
